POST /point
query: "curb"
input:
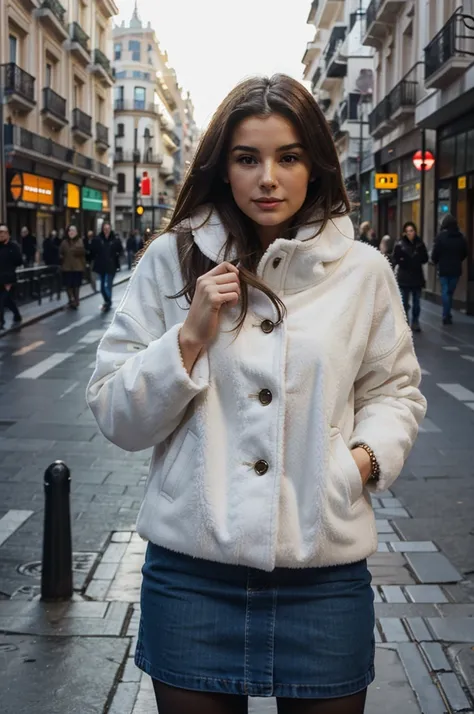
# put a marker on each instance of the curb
(51, 311)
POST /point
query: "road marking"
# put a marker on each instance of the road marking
(451, 349)
(458, 392)
(11, 522)
(428, 427)
(69, 389)
(425, 373)
(75, 324)
(469, 358)
(28, 348)
(470, 405)
(44, 366)
(91, 337)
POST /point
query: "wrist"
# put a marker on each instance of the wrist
(188, 341)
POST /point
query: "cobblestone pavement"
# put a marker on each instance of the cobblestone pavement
(423, 573)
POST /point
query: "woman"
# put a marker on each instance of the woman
(409, 256)
(449, 253)
(386, 247)
(266, 357)
(72, 254)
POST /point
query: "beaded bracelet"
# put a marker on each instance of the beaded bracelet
(375, 468)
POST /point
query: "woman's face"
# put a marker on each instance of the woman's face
(72, 232)
(268, 170)
(410, 232)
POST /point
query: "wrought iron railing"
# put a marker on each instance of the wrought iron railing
(456, 38)
(84, 162)
(77, 34)
(103, 61)
(380, 114)
(53, 103)
(338, 35)
(81, 122)
(17, 81)
(371, 13)
(402, 95)
(56, 8)
(102, 133)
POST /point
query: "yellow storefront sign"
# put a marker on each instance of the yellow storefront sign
(105, 202)
(73, 198)
(462, 182)
(386, 181)
(32, 189)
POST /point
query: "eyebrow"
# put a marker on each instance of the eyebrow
(254, 150)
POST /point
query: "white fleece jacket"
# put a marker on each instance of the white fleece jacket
(341, 370)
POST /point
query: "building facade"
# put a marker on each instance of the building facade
(340, 69)
(154, 127)
(57, 81)
(424, 99)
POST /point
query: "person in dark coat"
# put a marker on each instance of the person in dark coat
(10, 259)
(29, 245)
(106, 250)
(134, 245)
(409, 256)
(449, 252)
(51, 249)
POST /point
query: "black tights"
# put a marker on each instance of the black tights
(181, 701)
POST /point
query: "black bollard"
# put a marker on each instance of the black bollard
(56, 573)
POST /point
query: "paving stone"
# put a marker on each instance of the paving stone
(391, 685)
(463, 657)
(387, 609)
(391, 503)
(97, 589)
(377, 596)
(393, 630)
(456, 609)
(121, 537)
(383, 526)
(105, 571)
(433, 568)
(418, 629)
(392, 513)
(426, 593)
(393, 593)
(391, 537)
(436, 657)
(131, 672)
(124, 698)
(452, 629)
(417, 546)
(426, 692)
(382, 548)
(114, 553)
(454, 693)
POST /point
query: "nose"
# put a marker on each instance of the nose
(268, 179)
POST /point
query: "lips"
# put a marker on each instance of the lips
(268, 200)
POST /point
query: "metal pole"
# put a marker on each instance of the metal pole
(135, 161)
(56, 572)
(422, 184)
(3, 178)
(361, 149)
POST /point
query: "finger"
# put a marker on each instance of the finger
(229, 288)
(219, 299)
(223, 268)
(226, 278)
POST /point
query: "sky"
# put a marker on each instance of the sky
(213, 44)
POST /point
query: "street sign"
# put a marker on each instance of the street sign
(423, 163)
(140, 210)
(386, 181)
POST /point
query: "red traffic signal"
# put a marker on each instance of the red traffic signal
(423, 163)
(145, 184)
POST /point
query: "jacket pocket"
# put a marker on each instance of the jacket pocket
(344, 460)
(177, 466)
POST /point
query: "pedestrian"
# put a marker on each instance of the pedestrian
(10, 259)
(106, 250)
(449, 253)
(386, 247)
(367, 234)
(29, 245)
(73, 265)
(134, 246)
(51, 249)
(225, 356)
(409, 257)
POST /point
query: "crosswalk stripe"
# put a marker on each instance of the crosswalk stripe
(469, 358)
(44, 366)
(458, 392)
(28, 348)
(75, 324)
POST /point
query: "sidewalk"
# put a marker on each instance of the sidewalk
(424, 635)
(32, 312)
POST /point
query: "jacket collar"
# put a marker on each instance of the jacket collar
(287, 265)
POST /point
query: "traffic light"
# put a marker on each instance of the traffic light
(145, 184)
(140, 210)
(138, 184)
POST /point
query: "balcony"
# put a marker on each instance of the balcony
(51, 14)
(380, 119)
(54, 108)
(101, 137)
(450, 52)
(19, 88)
(324, 13)
(336, 65)
(81, 125)
(144, 158)
(403, 98)
(380, 16)
(316, 79)
(108, 8)
(349, 110)
(135, 105)
(79, 44)
(30, 5)
(103, 69)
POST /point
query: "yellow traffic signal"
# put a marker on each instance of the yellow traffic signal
(140, 210)
(387, 181)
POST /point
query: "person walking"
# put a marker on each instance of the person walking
(225, 356)
(51, 249)
(29, 245)
(10, 259)
(449, 253)
(134, 245)
(73, 264)
(409, 256)
(367, 234)
(106, 250)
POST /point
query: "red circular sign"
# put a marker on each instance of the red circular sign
(423, 164)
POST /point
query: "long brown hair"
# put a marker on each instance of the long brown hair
(204, 183)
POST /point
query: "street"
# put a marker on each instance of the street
(423, 574)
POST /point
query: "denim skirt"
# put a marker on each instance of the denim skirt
(210, 627)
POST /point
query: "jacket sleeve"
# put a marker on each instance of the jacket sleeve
(435, 252)
(424, 254)
(18, 258)
(140, 390)
(388, 403)
(396, 255)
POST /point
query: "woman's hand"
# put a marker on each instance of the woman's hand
(219, 287)
(363, 463)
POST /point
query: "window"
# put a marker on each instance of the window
(49, 75)
(134, 48)
(77, 92)
(13, 48)
(137, 74)
(118, 97)
(121, 75)
(121, 183)
(120, 130)
(118, 50)
(99, 109)
(139, 97)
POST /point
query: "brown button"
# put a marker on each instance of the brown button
(276, 262)
(267, 326)
(265, 397)
(261, 467)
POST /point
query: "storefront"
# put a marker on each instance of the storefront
(32, 201)
(72, 203)
(95, 208)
